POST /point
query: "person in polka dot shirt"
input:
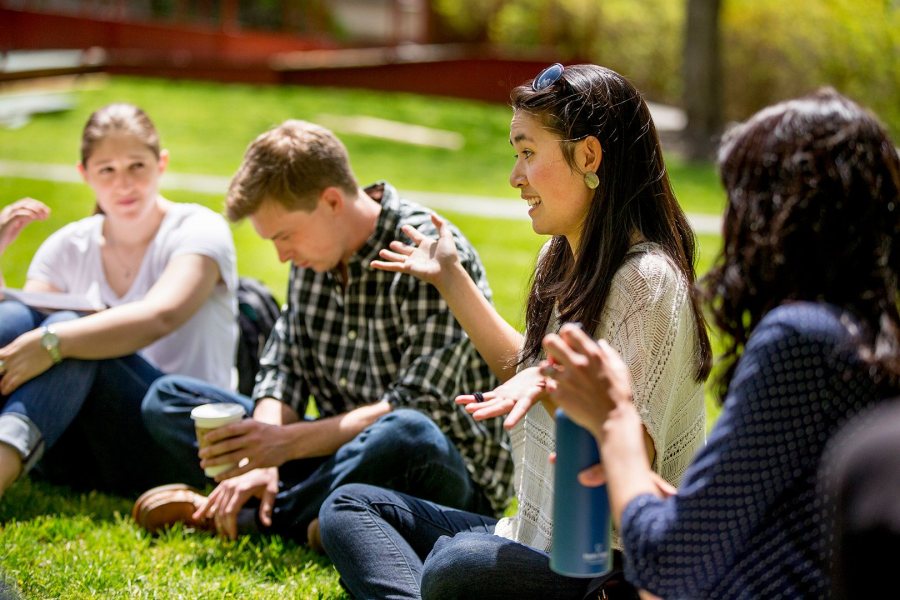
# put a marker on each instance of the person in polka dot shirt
(806, 293)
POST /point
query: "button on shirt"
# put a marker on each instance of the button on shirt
(387, 336)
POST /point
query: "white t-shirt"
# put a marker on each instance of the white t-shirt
(203, 347)
(648, 319)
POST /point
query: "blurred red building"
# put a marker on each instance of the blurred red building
(375, 44)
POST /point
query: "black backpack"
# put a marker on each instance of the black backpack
(257, 313)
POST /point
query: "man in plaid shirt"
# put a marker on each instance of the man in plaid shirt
(379, 352)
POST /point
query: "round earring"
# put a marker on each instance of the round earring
(591, 180)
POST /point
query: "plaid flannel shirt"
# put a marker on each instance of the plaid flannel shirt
(387, 336)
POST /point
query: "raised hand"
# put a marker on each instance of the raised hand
(14, 217)
(429, 259)
(591, 378)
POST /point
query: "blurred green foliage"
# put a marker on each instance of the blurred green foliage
(771, 49)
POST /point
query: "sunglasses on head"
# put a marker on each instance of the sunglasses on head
(547, 77)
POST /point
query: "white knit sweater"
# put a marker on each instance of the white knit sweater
(648, 319)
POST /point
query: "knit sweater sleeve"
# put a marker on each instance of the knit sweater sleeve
(648, 319)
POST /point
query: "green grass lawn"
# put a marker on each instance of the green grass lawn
(58, 544)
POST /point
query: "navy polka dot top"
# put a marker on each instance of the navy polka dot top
(746, 521)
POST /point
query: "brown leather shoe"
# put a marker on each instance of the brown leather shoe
(165, 505)
(313, 538)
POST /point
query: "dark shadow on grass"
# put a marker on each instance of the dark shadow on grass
(30, 498)
(8, 588)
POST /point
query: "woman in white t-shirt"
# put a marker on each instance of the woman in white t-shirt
(71, 385)
(620, 262)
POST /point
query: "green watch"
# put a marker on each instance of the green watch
(50, 342)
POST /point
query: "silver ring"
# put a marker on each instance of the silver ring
(479, 397)
(2, 366)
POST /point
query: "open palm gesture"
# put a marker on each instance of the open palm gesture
(430, 259)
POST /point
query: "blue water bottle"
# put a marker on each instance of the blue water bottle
(581, 528)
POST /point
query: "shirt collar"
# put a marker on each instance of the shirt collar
(385, 228)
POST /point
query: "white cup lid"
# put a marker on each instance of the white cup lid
(217, 410)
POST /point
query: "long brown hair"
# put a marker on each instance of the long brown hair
(813, 214)
(634, 195)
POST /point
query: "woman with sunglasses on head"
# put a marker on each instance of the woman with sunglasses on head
(620, 261)
(71, 384)
(806, 292)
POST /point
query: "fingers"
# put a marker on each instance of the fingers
(393, 260)
(266, 506)
(464, 399)
(27, 208)
(475, 400)
(519, 410)
(488, 410)
(569, 347)
(223, 506)
(232, 431)
(387, 266)
(441, 226)
(227, 525)
(438, 222)
(205, 508)
(414, 234)
(664, 487)
(593, 476)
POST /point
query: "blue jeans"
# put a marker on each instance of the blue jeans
(85, 417)
(403, 450)
(387, 544)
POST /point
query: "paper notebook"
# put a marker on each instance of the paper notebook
(52, 300)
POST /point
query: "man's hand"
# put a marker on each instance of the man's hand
(249, 444)
(226, 501)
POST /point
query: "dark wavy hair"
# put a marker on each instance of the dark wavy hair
(634, 195)
(813, 214)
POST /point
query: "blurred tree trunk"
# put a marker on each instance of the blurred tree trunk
(702, 78)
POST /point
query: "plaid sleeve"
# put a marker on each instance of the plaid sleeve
(280, 369)
(436, 351)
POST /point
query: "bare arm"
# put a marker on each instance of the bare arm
(437, 262)
(184, 286)
(181, 290)
(268, 444)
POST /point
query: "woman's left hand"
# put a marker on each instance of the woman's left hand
(590, 377)
(23, 359)
(516, 397)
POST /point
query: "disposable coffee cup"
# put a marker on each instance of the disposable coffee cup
(212, 416)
